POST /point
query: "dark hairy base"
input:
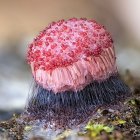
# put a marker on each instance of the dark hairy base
(69, 109)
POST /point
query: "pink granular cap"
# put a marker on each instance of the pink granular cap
(69, 54)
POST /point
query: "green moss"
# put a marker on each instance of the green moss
(95, 129)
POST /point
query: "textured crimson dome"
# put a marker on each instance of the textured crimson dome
(83, 44)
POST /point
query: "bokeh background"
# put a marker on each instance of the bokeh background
(21, 20)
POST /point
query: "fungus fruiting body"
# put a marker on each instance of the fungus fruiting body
(74, 67)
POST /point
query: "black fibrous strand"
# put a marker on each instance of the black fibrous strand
(69, 109)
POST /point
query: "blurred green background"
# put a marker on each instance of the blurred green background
(21, 20)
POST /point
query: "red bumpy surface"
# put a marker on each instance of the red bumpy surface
(69, 54)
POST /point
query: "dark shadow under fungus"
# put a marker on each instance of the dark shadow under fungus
(69, 109)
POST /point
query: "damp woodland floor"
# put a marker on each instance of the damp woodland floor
(108, 124)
